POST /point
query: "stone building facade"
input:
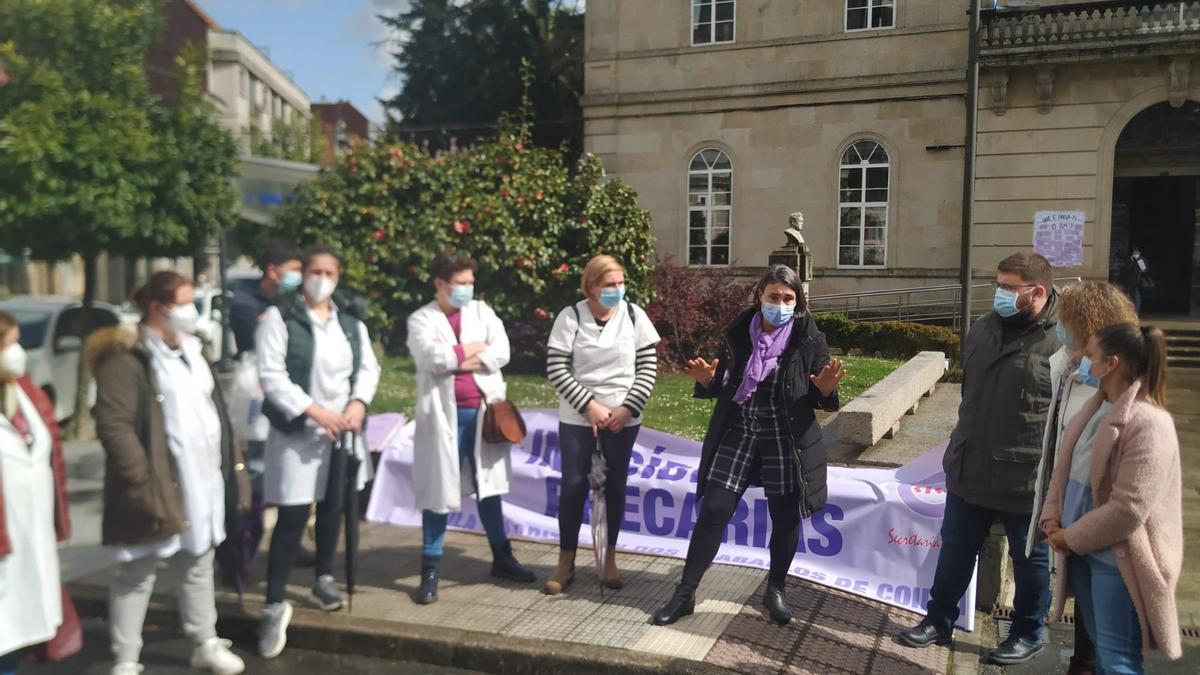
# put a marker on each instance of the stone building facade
(727, 115)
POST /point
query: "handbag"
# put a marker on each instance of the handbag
(502, 423)
(67, 641)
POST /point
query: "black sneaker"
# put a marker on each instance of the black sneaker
(325, 594)
(1016, 650)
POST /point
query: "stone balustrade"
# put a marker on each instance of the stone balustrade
(1098, 25)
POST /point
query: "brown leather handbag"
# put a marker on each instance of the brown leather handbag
(502, 423)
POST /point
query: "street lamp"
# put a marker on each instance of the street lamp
(968, 187)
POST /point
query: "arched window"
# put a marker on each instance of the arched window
(710, 207)
(863, 206)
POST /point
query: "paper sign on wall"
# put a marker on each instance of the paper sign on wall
(1058, 235)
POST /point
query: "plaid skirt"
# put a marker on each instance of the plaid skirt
(756, 448)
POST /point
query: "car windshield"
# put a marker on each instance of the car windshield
(33, 325)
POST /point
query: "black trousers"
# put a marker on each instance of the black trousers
(285, 542)
(576, 444)
(716, 510)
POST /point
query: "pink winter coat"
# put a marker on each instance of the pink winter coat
(1137, 488)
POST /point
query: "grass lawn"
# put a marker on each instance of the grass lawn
(671, 409)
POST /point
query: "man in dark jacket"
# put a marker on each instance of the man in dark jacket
(280, 265)
(992, 457)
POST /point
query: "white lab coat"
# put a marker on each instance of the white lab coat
(438, 485)
(296, 466)
(30, 595)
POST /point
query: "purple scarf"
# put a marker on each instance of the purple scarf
(766, 348)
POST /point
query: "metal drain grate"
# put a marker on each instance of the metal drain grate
(1003, 617)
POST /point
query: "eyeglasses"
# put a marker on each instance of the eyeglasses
(1009, 287)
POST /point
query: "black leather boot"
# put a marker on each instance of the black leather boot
(427, 594)
(681, 604)
(505, 565)
(775, 600)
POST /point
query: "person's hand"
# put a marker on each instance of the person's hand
(701, 371)
(333, 423)
(472, 349)
(619, 418)
(1058, 541)
(829, 377)
(598, 416)
(472, 365)
(355, 412)
(1049, 526)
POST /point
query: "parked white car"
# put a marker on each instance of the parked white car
(51, 336)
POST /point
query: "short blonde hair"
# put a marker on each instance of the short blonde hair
(1087, 307)
(596, 269)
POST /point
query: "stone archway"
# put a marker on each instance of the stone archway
(1155, 199)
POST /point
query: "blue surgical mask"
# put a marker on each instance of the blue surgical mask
(291, 281)
(461, 296)
(1064, 336)
(1085, 373)
(1005, 302)
(778, 315)
(611, 297)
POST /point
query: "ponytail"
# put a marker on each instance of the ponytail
(1156, 364)
(1143, 350)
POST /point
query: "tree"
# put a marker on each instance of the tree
(298, 139)
(461, 63)
(89, 163)
(530, 221)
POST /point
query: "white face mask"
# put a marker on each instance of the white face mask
(319, 288)
(12, 360)
(184, 318)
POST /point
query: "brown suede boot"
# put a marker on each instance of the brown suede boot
(611, 577)
(563, 574)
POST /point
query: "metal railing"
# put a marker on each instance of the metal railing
(1081, 24)
(920, 304)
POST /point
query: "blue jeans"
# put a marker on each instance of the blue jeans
(964, 529)
(433, 525)
(1103, 603)
(9, 663)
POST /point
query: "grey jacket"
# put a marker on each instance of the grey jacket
(992, 457)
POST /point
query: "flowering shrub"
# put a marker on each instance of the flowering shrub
(692, 308)
(515, 208)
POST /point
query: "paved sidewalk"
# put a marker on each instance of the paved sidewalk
(833, 632)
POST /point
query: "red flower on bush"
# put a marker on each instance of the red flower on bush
(504, 194)
(538, 195)
(564, 268)
(462, 226)
(380, 235)
(398, 152)
(541, 314)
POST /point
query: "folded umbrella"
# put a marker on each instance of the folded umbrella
(597, 477)
(352, 515)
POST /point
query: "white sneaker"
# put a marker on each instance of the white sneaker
(214, 656)
(126, 668)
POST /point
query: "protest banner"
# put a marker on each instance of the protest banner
(878, 537)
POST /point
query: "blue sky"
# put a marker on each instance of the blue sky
(330, 47)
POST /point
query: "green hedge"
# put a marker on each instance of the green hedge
(889, 339)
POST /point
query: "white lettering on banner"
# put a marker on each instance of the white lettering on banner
(878, 536)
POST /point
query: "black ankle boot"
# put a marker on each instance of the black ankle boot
(775, 600)
(427, 594)
(505, 565)
(681, 604)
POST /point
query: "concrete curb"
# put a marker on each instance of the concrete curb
(342, 633)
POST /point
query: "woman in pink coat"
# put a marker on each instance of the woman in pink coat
(1114, 505)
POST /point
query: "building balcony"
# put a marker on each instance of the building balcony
(1094, 31)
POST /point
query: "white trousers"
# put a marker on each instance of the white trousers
(129, 596)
